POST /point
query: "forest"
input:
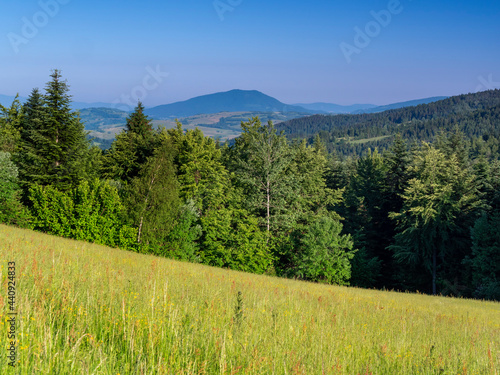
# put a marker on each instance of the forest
(476, 115)
(420, 212)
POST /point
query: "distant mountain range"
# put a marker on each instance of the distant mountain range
(410, 103)
(333, 109)
(243, 101)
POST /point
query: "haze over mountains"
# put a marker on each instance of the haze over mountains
(241, 101)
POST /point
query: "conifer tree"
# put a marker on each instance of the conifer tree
(131, 148)
(32, 163)
(54, 142)
(439, 206)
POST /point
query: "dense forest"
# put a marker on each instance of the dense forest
(476, 115)
(420, 213)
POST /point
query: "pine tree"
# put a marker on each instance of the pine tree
(31, 159)
(54, 143)
(439, 205)
(131, 148)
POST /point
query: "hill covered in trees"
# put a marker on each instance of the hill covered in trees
(476, 115)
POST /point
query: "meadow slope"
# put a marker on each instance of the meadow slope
(89, 309)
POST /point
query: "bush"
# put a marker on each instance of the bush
(90, 212)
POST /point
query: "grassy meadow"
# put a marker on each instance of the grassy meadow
(89, 309)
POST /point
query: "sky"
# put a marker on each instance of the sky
(342, 52)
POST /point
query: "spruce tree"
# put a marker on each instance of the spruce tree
(131, 148)
(31, 159)
(54, 141)
(439, 206)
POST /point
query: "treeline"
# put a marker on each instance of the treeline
(260, 206)
(417, 217)
(476, 115)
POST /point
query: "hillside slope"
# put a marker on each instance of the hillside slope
(86, 308)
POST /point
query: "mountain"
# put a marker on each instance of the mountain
(476, 115)
(83, 105)
(229, 101)
(410, 103)
(99, 118)
(336, 108)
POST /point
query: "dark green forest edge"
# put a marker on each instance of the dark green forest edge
(417, 209)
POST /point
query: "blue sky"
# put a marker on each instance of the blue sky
(290, 49)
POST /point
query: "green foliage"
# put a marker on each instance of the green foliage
(202, 176)
(183, 238)
(439, 203)
(131, 148)
(10, 119)
(322, 253)
(54, 144)
(91, 212)
(260, 160)
(232, 239)
(153, 199)
(11, 209)
(486, 257)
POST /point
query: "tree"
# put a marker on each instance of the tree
(323, 254)
(11, 210)
(367, 220)
(232, 239)
(153, 199)
(131, 148)
(54, 143)
(201, 173)
(260, 161)
(438, 206)
(10, 119)
(485, 259)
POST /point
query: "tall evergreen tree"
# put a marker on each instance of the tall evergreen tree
(54, 141)
(131, 148)
(31, 161)
(439, 206)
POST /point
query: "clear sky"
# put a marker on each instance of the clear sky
(295, 51)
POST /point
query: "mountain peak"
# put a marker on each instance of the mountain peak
(235, 100)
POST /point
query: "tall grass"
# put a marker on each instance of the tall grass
(88, 309)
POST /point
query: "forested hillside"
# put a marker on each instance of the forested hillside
(418, 216)
(476, 115)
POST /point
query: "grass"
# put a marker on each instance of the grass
(89, 309)
(366, 140)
